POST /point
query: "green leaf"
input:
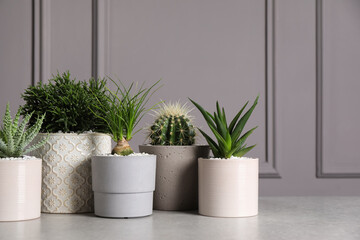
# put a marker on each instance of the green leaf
(206, 115)
(233, 122)
(243, 151)
(214, 147)
(220, 126)
(228, 141)
(240, 125)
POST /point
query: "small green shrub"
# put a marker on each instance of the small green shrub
(14, 138)
(230, 142)
(172, 126)
(66, 103)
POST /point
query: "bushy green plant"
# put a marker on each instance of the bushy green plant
(230, 142)
(15, 138)
(172, 126)
(66, 103)
(122, 112)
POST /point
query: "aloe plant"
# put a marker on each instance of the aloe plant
(122, 112)
(15, 137)
(228, 139)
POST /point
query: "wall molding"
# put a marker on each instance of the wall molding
(319, 100)
(268, 168)
(103, 38)
(94, 39)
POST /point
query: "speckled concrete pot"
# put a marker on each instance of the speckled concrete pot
(123, 185)
(66, 171)
(176, 175)
(20, 189)
(228, 187)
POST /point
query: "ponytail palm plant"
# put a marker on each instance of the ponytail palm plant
(228, 139)
(122, 112)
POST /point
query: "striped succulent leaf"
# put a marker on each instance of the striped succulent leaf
(15, 138)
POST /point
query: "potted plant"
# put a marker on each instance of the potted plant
(74, 137)
(20, 175)
(228, 182)
(172, 139)
(124, 181)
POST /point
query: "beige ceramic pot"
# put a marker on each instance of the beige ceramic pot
(176, 175)
(228, 187)
(66, 171)
(20, 189)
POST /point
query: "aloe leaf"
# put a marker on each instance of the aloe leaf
(205, 114)
(224, 118)
(240, 125)
(20, 130)
(218, 136)
(214, 147)
(37, 145)
(243, 151)
(220, 126)
(233, 122)
(16, 121)
(246, 135)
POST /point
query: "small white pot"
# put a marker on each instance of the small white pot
(66, 172)
(228, 187)
(20, 189)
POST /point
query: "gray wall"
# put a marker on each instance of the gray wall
(302, 57)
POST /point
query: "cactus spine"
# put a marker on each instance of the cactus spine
(172, 126)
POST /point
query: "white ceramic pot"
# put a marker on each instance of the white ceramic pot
(66, 171)
(228, 187)
(123, 185)
(20, 189)
(176, 175)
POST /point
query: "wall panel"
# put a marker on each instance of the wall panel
(66, 38)
(213, 51)
(15, 51)
(339, 86)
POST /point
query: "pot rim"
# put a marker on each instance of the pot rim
(240, 159)
(123, 157)
(74, 134)
(174, 146)
(32, 159)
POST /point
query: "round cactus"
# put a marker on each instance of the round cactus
(172, 126)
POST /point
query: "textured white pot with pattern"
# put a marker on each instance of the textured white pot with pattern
(66, 170)
(20, 189)
(228, 187)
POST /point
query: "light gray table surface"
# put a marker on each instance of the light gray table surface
(279, 218)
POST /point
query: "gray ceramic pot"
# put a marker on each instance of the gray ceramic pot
(176, 175)
(123, 185)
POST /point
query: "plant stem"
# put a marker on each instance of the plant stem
(122, 148)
